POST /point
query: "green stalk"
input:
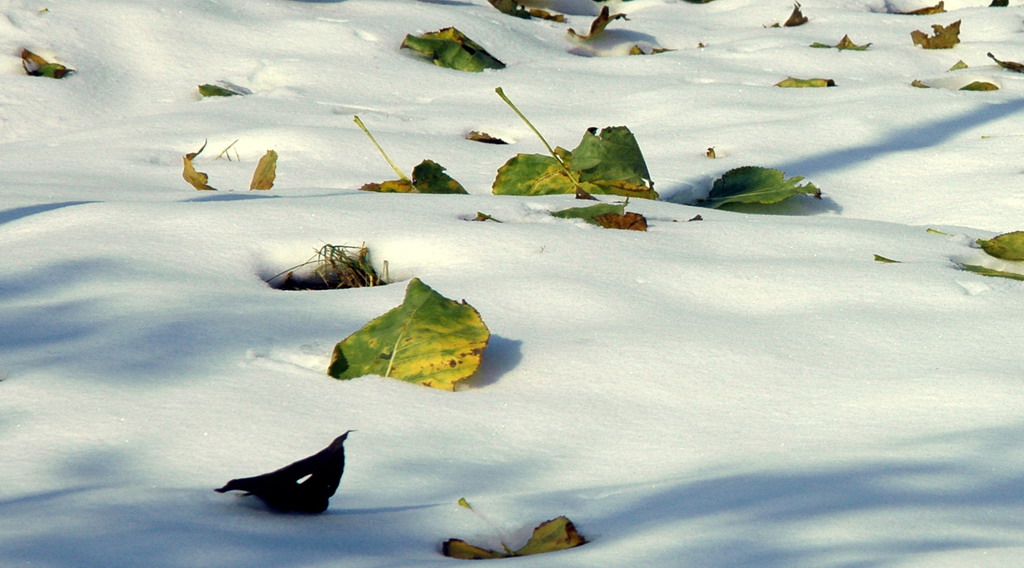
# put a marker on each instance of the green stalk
(565, 168)
(379, 149)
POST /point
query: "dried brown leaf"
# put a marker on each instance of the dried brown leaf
(944, 38)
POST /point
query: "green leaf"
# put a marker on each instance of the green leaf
(944, 38)
(958, 66)
(979, 86)
(451, 48)
(428, 340)
(208, 90)
(752, 184)
(36, 66)
(532, 174)
(598, 25)
(612, 154)
(793, 82)
(429, 177)
(999, 4)
(550, 536)
(266, 171)
(880, 258)
(1008, 246)
(984, 271)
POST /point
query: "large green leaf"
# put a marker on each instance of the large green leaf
(753, 184)
(532, 174)
(429, 340)
(613, 154)
(451, 48)
(1008, 246)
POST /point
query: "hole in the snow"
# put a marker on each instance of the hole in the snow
(332, 267)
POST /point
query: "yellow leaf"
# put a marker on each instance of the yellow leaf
(196, 179)
(550, 536)
(266, 171)
(936, 9)
(456, 548)
(793, 82)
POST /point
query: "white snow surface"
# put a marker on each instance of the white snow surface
(747, 390)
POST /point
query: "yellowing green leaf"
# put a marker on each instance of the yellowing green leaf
(266, 171)
(451, 48)
(429, 340)
(1011, 65)
(936, 9)
(985, 271)
(752, 184)
(1008, 246)
(550, 536)
(36, 66)
(943, 38)
(196, 179)
(880, 258)
(208, 90)
(793, 82)
(598, 25)
(532, 174)
(980, 86)
(429, 177)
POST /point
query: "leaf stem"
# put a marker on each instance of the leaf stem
(565, 168)
(379, 149)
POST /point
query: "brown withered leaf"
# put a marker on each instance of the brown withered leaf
(477, 136)
(599, 24)
(1011, 65)
(198, 180)
(797, 18)
(936, 9)
(944, 38)
(628, 221)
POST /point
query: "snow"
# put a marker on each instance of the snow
(746, 390)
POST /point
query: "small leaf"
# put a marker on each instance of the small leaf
(919, 84)
(979, 86)
(588, 213)
(637, 50)
(793, 82)
(880, 258)
(477, 136)
(484, 217)
(598, 25)
(208, 90)
(511, 8)
(844, 44)
(196, 179)
(936, 9)
(944, 38)
(462, 502)
(451, 48)
(711, 153)
(752, 184)
(266, 171)
(625, 221)
(959, 65)
(1011, 65)
(390, 186)
(36, 66)
(429, 340)
(1008, 246)
(999, 4)
(429, 177)
(937, 232)
(984, 271)
(550, 536)
(797, 18)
